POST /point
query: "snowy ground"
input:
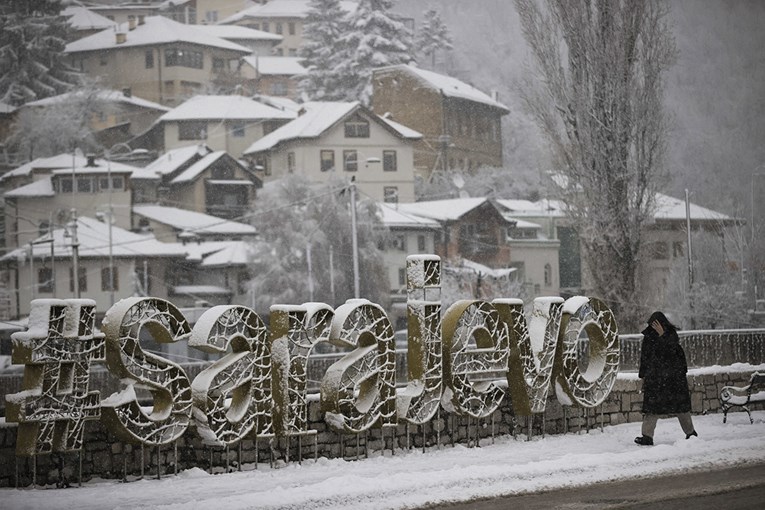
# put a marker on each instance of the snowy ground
(411, 478)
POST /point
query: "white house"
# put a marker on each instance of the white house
(337, 139)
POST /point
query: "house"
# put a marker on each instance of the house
(156, 58)
(408, 235)
(116, 117)
(665, 238)
(126, 11)
(281, 17)
(198, 179)
(461, 125)
(341, 140)
(274, 76)
(46, 193)
(135, 264)
(477, 233)
(223, 123)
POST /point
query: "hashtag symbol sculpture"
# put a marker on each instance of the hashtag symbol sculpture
(56, 351)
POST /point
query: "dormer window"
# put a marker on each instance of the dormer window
(356, 127)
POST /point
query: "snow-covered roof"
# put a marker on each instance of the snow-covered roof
(451, 87)
(154, 31)
(525, 208)
(235, 253)
(102, 95)
(93, 239)
(672, 209)
(282, 103)
(318, 117)
(224, 108)
(236, 32)
(192, 221)
(39, 188)
(281, 66)
(170, 162)
(442, 210)
(394, 217)
(82, 18)
(474, 267)
(282, 9)
(197, 168)
(6, 108)
(49, 163)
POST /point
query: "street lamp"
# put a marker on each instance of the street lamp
(354, 231)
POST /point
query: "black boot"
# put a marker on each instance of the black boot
(688, 436)
(644, 441)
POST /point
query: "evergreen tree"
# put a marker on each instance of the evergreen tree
(376, 38)
(433, 36)
(321, 50)
(32, 40)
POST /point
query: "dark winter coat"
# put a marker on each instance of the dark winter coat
(663, 368)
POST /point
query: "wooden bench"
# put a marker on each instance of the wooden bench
(742, 396)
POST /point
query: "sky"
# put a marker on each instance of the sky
(411, 479)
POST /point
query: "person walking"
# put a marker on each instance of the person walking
(665, 388)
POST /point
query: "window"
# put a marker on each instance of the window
(678, 249)
(390, 194)
(211, 16)
(356, 128)
(183, 58)
(659, 250)
(389, 161)
(421, 243)
(192, 130)
(279, 28)
(45, 280)
(279, 52)
(43, 229)
(278, 88)
(327, 161)
(265, 27)
(149, 59)
(65, 184)
(350, 161)
(83, 277)
(102, 60)
(118, 183)
(224, 173)
(85, 185)
(398, 243)
(291, 28)
(237, 129)
(290, 162)
(255, 26)
(548, 275)
(293, 52)
(105, 279)
(218, 64)
(401, 276)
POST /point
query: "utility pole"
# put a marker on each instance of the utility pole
(111, 220)
(75, 255)
(355, 241)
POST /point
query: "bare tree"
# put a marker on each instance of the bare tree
(598, 99)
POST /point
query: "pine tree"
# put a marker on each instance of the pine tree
(433, 36)
(321, 50)
(376, 38)
(32, 40)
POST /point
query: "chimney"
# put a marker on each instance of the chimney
(91, 161)
(131, 23)
(121, 37)
(141, 19)
(495, 95)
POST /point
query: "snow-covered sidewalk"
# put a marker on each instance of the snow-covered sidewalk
(411, 478)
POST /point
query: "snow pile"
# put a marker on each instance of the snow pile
(411, 478)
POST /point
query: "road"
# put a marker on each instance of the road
(736, 488)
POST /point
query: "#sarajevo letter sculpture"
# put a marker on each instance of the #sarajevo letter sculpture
(467, 361)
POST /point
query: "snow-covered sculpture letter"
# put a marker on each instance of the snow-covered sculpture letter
(56, 351)
(124, 324)
(359, 390)
(232, 395)
(419, 401)
(532, 351)
(475, 355)
(295, 330)
(586, 371)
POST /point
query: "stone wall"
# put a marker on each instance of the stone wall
(105, 457)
